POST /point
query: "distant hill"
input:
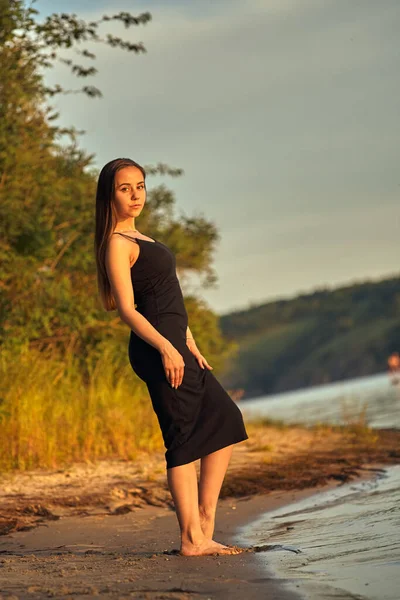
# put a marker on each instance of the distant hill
(315, 338)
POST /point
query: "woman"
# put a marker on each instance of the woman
(198, 419)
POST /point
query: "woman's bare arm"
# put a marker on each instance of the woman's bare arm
(119, 274)
(118, 268)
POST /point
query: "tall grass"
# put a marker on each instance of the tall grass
(54, 413)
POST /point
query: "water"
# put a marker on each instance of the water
(333, 403)
(348, 538)
(343, 543)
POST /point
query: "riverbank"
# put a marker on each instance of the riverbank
(129, 555)
(108, 528)
(274, 458)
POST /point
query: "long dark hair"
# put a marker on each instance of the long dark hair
(105, 223)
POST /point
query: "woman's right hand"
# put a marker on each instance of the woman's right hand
(173, 365)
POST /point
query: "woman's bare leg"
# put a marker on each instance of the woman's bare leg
(183, 485)
(212, 472)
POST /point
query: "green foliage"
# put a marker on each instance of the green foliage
(40, 42)
(49, 299)
(204, 326)
(315, 338)
(67, 391)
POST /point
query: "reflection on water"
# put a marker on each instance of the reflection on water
(349, 539)
(333, 403)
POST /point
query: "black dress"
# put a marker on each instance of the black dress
(199, 416)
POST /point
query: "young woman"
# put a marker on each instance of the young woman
(198, 419)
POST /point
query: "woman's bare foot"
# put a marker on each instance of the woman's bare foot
(208, 547)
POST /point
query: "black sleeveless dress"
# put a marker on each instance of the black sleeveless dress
(199, 416)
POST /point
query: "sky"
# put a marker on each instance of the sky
(283, 115)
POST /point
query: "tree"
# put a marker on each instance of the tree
(49, 296)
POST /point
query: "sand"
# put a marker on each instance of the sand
(128, 556)
(107, 529)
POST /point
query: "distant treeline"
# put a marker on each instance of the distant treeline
(315, 338)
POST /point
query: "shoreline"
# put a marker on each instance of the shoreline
(108, 528)
(128, 554)
(274, 458)
(340, 542)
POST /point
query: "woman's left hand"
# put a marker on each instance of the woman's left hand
(191, 344)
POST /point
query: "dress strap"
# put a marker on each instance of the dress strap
(124, 234)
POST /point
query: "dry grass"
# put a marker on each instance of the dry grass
(70, 443)
(273, 458)
(52, 416)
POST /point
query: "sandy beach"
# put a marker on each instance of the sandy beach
(109, 529)
(132, 555)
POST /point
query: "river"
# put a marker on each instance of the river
(333, 403)
(345, 542)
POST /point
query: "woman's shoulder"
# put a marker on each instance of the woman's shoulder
(118, 246)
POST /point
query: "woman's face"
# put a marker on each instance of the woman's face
(129, 192)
